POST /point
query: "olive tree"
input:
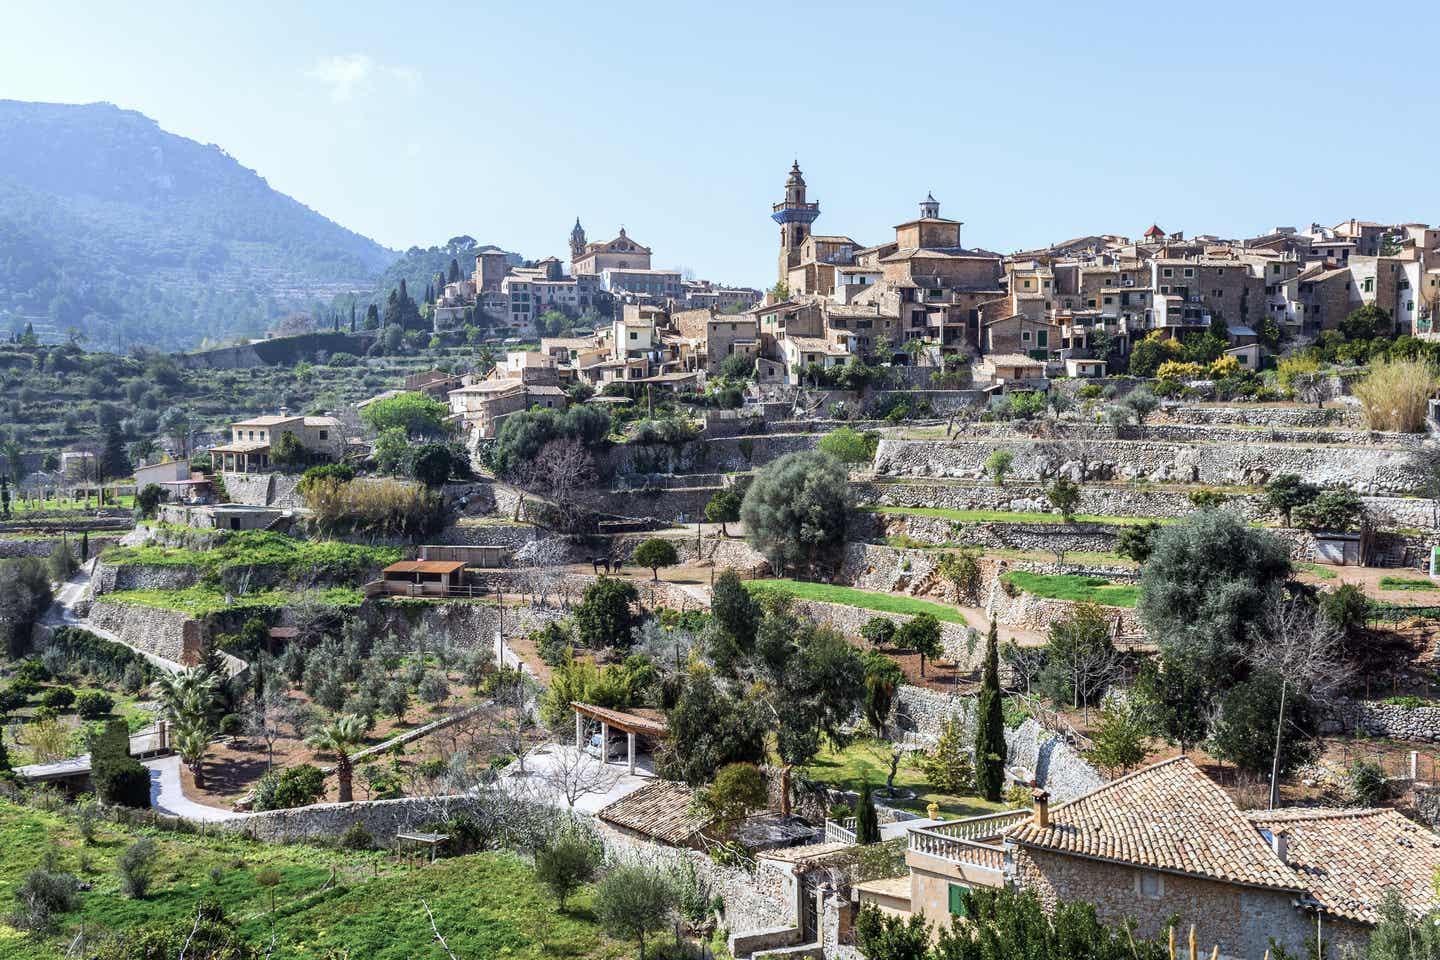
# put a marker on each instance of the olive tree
(797, 510)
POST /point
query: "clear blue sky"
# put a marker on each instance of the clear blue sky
(1032, 122)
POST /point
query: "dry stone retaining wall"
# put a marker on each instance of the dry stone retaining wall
(1376, 718)
(1110, 500)
(1368, 470)
(1054, 764)
(169, 634)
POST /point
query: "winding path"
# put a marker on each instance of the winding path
(167, 796)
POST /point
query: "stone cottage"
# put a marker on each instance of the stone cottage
(1166, 842)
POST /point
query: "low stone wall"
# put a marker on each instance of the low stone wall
(1110, 500)
(1070, 430)
(264, 489)
(469, 624)
(747, 907)
(169, 634)
(954, 637)
(44, 546)
(1258, 415)
(1069, 537)
(1368, 470)
(721, 454)
(513, 535)
(110, 577)
(1055, 765)
(1376, 718)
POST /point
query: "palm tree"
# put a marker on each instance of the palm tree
(187, 693)
(192, 739)
(340, 736)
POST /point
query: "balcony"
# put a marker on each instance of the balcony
(972, 849)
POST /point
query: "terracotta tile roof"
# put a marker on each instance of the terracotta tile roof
(636, 720)
(1349, 858)
(1170, 817)
(660, 809)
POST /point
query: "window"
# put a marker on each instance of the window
(1243, 358)
(324, 434)
(1369, 284)
(1167, 272)
(1025, 336)
(1042, 338)
(1189, 271)
(634, 335)
(1149, 885)
(957, 899)
(1275, 268)
(1165, 288)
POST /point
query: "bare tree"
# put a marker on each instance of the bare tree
(560, 472)
(1304, 649)
(573, 774)
(514, 692)
(269, 716)
(540, 563)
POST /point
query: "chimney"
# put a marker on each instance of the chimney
(1280, 843)
(1042, 808)
(284, 412)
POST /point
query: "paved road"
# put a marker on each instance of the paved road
(166, 795)
(62, 614)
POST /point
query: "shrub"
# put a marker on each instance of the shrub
(1064, 495)
(1395, 393)
(879, 632)
(948, 767)
(93, 705)
(42, 897)
(297, 786)
(1224, 367)
(136, 868)
(1366, 783)
(569, 860)
(633, 902)
(1334, 510)
(58, 698)
(1178, 370)
(356, 837)
(999, 464)
(1288, 369)
(849, 446)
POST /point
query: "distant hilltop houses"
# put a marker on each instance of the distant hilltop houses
(601, 278)
(922, 302)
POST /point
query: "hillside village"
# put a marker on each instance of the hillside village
(927, 599)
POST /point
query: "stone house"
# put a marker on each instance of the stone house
(718, 335)
(1166, 841)
(251, 440)
(1019, 334)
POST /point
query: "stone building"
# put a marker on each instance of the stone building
(593, 259)
(718, 335)
(252, 440)
(795, 215)
(1167, 842)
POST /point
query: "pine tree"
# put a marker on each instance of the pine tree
(867, 821)
(990, 724)
(947, 767)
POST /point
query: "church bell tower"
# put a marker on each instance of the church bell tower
(795, 216)
(577, 241)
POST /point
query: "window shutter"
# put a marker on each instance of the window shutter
(957, 900)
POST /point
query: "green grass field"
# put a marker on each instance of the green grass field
(202, 601)
(1317, 570)
(261, 548)
(65, 504)
(1069, 586)
(869, 760)
(487, 905)
(1009, 516)
(865, 599)
(1408, 583)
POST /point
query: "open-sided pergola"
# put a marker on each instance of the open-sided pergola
(649, 724)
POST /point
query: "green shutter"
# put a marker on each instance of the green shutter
(957, 900)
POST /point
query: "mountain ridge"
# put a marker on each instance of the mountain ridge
(115, 228)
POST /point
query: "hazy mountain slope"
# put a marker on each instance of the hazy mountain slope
(111, 225)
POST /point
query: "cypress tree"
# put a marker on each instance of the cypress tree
(867, 821)
(990, 724)
(352, 316)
